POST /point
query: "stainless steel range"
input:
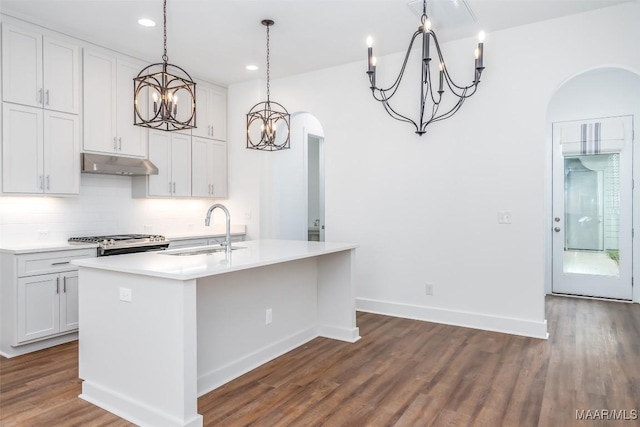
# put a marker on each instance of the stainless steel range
(124, 243)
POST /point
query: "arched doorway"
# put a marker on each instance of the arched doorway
(589, 246)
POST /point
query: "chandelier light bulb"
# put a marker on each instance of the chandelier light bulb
(369, 41)
(477, 53)
(427, 25)
(481, 36)
(374, 60)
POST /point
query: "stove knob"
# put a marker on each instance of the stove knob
(105, 242)
(112, 242)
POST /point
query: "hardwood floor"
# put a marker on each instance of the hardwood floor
(401, 373)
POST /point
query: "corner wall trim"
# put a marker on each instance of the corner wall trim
(507, 325)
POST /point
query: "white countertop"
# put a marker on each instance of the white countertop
(256, 253)
(28, 248)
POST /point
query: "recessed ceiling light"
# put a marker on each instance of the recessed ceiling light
(251, 67)
(146, 22)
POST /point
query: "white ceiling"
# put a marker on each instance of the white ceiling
(215, 39)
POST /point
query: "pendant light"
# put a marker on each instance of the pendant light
(164, 94)
(268, 122)
(431, 97)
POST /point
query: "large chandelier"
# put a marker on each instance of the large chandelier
(268, 122)
(430, 98)
(157, 89)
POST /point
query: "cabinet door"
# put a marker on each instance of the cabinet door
(21, 66)
(200, 159)
(132, 140)
(218, 168)
(69, 301)
(99, 103)
(160, 155)
(181, 165)
(203, 123)
(38, 306)
(218, 114)
(61, 68)
(61, 153)
(22, 149)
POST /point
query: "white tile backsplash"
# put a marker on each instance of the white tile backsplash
(104, 206)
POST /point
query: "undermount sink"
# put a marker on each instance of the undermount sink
(195, 251)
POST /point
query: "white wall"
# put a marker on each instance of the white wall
(599, 92)
(424, 209)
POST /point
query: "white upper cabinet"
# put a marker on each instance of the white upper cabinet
(211, 112)
(40, 71)
(108, 106)
(40, 151)
(208, 168)
(171, 153)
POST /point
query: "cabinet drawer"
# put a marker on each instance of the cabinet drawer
(51, 262)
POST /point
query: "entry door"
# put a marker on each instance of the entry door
(592, 202)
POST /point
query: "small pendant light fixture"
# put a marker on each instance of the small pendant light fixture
(268, 122)
(157, 90)
(431, 97)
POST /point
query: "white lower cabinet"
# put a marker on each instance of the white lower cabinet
(39, 298)
(47, 305)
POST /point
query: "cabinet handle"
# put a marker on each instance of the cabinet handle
(48, 182)
(47, 96)
(40, 96)
(174, 187)
(64, 284)
(213, 189)
(115, 143)
(120, 144)
(41, 182)
(57, 285)
(60, 263)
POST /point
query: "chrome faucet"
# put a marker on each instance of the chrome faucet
(207, 221)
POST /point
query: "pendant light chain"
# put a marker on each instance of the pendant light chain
(165, 58)
(268, 66)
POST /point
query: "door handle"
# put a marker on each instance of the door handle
(57, 285)
(120, 144)
(64, 284)
(556, 229)
(47, 96)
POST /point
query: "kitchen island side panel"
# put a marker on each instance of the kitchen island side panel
(235, 334)
(138, 358)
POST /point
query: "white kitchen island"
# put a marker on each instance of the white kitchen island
(159, 330)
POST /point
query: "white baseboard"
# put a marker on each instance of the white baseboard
(132, 410)
(507, 325)
(348, 335)
(10, 351)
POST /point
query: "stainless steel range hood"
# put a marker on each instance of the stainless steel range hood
(115, 165)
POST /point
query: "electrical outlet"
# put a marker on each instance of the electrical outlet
(428, 289)
(504, 217)
(247, 214)
(269, 317)
(125, 294)
(43, 234)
